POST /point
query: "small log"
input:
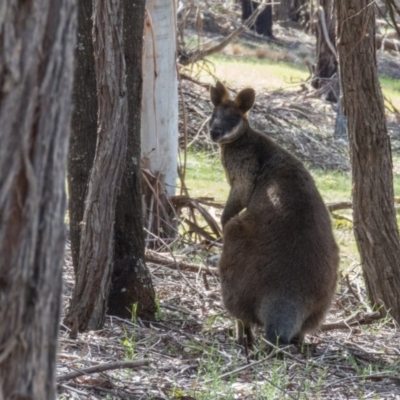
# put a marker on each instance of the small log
(156, 258)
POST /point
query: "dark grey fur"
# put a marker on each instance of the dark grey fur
(279, 260)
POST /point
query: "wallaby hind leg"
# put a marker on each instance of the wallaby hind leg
(244, 334)
(312, 323)
(283, 322)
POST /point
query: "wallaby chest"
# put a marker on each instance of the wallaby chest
(240, 162)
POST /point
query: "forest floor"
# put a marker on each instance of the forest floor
(189, 352)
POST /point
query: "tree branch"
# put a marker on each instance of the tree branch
(194, 56)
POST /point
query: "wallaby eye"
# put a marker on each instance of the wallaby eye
(233, 121)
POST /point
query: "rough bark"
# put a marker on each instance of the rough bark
(326, 66)
(36, 68)
(84, 126)
(373, 208)
(263, 23)
(131, 280)
(89, 299)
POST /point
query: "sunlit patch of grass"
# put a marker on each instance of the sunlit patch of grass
(260, 73)
(333, 185)
(205, 176)
(391, 89)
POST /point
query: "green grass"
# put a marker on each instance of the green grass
(205, 176)
(333, 186)
(270, 74)
(252, 71)
(391, 89)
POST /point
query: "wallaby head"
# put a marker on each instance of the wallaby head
(229, 117)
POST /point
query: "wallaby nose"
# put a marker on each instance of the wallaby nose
(216, 133)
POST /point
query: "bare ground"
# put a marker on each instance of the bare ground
(191, 353)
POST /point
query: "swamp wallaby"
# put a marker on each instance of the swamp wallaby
(279, 260)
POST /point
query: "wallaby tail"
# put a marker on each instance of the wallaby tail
(283, 321)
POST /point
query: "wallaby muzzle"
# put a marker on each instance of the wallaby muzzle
(216, 133)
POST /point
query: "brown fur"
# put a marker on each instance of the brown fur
(279, 260)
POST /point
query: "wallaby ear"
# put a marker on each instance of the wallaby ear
(218, 94)
(245, 100)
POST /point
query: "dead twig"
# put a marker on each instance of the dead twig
(103, 367)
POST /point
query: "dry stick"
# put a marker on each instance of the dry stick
(182, 168)
(325, 31)
(66, 387)
(103, 367)
(392, 6)
(378, 375)
(351, 289)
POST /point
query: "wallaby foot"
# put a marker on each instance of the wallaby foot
(244, 334)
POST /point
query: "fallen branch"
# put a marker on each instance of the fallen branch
(154, 257)
(366, 319)
(341, 205)
(103, 367)
(387, 44)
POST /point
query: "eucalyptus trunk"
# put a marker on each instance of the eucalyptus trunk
(90, 296)
(374, 213)
(37, 42)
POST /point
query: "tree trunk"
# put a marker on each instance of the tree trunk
(84, 127)
(89, 300)
(37, 41)
(284, 10)
(374, 213)
(263, 24)
(159, 130)
(298, 11)
(326, 67)
(291, 10)
(131, 281)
